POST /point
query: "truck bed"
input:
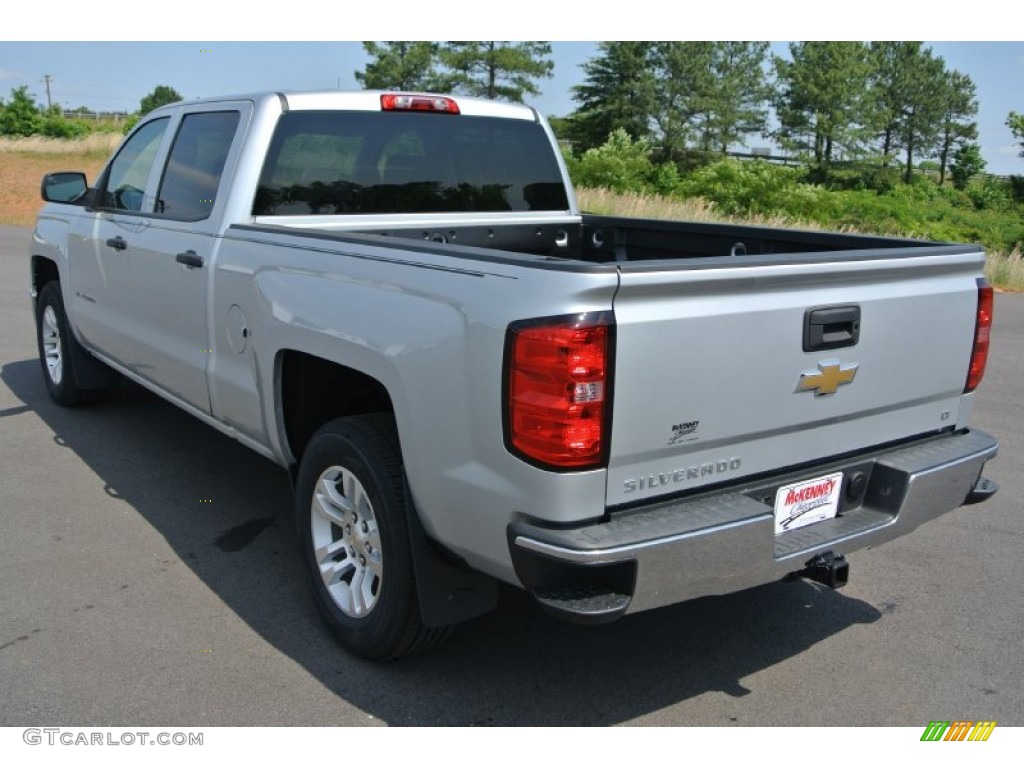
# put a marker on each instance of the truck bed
(606, 239)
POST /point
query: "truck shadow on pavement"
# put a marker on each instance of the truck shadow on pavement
(515, 666)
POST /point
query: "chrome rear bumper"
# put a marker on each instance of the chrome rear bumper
(674, 551)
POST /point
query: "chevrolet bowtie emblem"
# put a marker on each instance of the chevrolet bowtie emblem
(828, 378)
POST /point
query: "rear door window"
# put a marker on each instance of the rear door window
(188, 189)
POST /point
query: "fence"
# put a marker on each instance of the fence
(115, 117)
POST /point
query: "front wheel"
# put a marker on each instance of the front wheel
(354, 534)
(57, 346)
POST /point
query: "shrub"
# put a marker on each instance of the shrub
(56, 127)
(130, 123)
(989, 193)
(1017, 188)
(665, 179)
(967, 161)
(753, 187)
(620, 164)
(847, 178)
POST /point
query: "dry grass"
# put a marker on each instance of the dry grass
(604, 201)
(94, 145)
(1004, 270)
(631, 204)
(24, 161)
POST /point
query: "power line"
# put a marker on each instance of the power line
(46, 79)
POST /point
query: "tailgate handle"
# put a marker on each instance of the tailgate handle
(831, 328)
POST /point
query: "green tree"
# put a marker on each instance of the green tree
(917, 107)
(683, 80)
(886, 84)
(559, 126)
(923, 103)
(496, 69)
(20, 116)
(1015, 122)
(681, 95)
(967, 161)
(401, 66)
(617, 92)
(958, 126)
(822, 90)
(162, 94)
(736, 104)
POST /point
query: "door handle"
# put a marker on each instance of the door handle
(189, 259)
(117, 243)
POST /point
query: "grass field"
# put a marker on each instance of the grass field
(24, 161)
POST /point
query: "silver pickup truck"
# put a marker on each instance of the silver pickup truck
(396, 298)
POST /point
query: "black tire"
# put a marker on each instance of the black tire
(58, 349)
(350, 502)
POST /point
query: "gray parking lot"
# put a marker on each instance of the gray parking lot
(148, 575)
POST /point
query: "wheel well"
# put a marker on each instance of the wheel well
(314, 391)
(43, 271)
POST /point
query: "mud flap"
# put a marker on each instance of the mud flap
(90, 373)
(448, 594)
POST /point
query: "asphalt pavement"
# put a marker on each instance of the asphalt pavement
(149, 575)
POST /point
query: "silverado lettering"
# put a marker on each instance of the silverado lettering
(681, 475)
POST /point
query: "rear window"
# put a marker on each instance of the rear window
(369, 162)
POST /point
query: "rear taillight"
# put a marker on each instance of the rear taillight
(982, 330)
(558, 390)
(416, 102)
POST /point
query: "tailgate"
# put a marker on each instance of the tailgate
(713, 383)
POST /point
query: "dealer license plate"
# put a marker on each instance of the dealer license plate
(807, 502)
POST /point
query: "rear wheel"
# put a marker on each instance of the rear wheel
(354, 534)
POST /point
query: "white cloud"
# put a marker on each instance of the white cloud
(9, 74)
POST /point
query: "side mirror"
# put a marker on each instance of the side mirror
(64, 187)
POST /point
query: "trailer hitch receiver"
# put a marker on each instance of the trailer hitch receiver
(829, 569)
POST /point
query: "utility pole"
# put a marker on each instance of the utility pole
(46, 79)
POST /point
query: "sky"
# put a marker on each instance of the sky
(115, 75)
